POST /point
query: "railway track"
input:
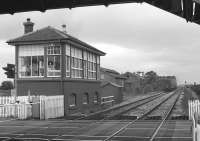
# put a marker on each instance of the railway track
(140, 106)
(175, 96)
(146, 108)
(160, 111)
(107, 130)
(114, 112)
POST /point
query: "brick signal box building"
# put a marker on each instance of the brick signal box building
(51, 62)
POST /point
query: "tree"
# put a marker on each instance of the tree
(150, 77)
(7, 85)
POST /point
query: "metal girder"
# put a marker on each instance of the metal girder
(14, 6)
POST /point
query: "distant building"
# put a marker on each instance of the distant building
(161, 83)
(167, 83)
(112, 91)
(52, 62)
(111, 75)
(112, 83)
(132, 84)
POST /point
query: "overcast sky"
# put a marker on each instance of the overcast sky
(136, 37)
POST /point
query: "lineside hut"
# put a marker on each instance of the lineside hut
(111, 93)
(52, 62)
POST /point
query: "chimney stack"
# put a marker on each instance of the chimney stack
(64, 28)
(28, 26)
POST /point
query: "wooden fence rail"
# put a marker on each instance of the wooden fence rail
(194, 115)
(23, 107)
(193, 107)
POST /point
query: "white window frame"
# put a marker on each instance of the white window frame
(67, 54)
(68, 71)
(86, 57)
(30, 51)
(52, 46)
(92, 59)
(76, 53)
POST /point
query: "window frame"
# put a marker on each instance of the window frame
(92, 66)
(68, 61)
(76, 63)
(31, 52)
(51, 48)
(83, 64)
(96, 98)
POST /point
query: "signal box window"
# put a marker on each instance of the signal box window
(31, 61)
(53, 60)
(77, 63)
(68, 61)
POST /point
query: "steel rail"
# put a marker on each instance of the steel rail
(164, 119)
(155, 107)
(125, 126)
(136, 106)
(149, 97)
(118, 108)
(154, 97)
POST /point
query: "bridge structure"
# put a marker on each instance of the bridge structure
(187, 9)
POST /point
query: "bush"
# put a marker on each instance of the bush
(6, 85)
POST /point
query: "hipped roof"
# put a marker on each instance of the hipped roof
(49, 34)
(105, 83)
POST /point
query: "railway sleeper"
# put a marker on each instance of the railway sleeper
(153, 117)
(123, 117)
(179, 117)
(73, 117)
(95, 117)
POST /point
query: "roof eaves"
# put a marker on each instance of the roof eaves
(120, 77)
(87, 45)
(110, 71)
(113, 84)
(116, 85)
(35, 42)
(104, 83)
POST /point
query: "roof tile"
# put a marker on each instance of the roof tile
(48, 34)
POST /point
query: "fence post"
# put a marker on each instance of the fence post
(41, 107)
(195, 119)
(189, 109)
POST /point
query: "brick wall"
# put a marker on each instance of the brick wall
(67, 87)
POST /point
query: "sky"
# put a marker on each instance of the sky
(135, 37)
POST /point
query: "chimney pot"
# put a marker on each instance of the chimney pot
(64, 28)
(28, 26)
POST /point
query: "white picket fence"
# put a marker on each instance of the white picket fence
(193, 107)
(194, 114)
(21, 107)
